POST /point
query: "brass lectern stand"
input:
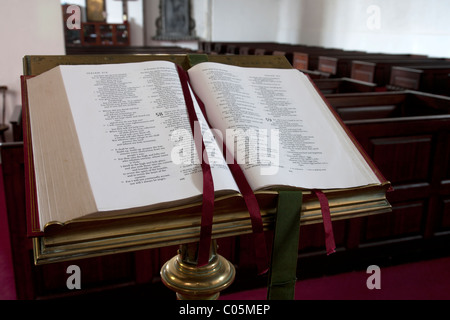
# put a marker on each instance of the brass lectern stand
(181, 225)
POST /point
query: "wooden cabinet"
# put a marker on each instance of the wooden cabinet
(94, 33)
(107, 34)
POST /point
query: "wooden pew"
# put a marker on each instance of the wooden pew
(277, 49)
(301, 56)
(78, 50)
(433, 79)
(204, 46)
(267, 48)
(300, 60)
(245, 47)
(289, 55)
(261, 52)
(340, 65)
(379, 71)
(244, 50)
(307, 58)
(298, 57)
(218, 48)
(392, 105)
(407, 134)
(215, 47)
(314, 53)
(232, 49)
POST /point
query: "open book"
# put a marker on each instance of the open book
(115, 139)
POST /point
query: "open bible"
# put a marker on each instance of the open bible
(115, 140)
(113, 162)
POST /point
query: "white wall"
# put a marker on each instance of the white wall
(400, 26)
(236, 20)
(27, 27)
(409, 26)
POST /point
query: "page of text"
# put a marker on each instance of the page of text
(132, 125)
(283, 132)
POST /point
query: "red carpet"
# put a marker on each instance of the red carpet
(425, 280)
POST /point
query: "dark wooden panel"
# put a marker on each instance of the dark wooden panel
(312, 237)
(405, 78)
(363, 71)
(328, 64)
(300, 61)
(404, 158)
(339, 64)
(357, 100)
(403, 104)
(445, 219)
(405, 220)
(431, 79)
(412, 151)
(368, 112)
(13, 178)
(444, 156)
(109, 270)
(123, 50)
(379, 71)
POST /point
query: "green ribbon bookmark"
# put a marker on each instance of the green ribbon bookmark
(282, 276)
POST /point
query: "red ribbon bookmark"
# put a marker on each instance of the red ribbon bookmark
(327, 225)
(208, 183)
(262, 259)
(259, 240)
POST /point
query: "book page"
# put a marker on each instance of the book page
(132, 125)
(281, 130)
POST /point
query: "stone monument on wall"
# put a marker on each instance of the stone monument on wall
(175, 22)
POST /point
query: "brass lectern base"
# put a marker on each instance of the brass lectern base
(190, 282)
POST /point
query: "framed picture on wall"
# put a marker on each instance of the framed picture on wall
(175, 21)
(96, 10)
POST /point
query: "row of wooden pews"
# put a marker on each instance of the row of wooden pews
(386, 71)
(405, 132)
